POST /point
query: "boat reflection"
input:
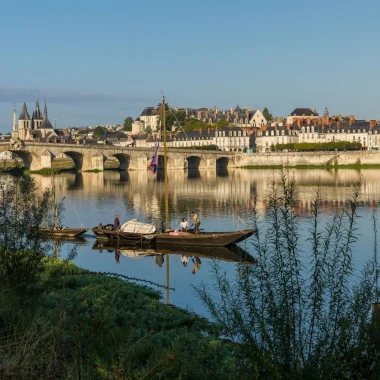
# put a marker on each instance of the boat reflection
(232, 254)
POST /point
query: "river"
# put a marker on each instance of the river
(222, 200)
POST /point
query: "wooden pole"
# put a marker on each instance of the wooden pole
(166, 194)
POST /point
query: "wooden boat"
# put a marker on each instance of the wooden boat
(62, 232)
(202, 239)
(57, 230)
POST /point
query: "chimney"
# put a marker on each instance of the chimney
(232, 111)
(247, 111)
(337, 124)
(372, 123)
(352, 119)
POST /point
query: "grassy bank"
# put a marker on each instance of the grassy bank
(349, 166)
(75, 324)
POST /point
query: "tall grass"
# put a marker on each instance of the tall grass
(301, 313)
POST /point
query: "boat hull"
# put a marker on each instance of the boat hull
(132, 237)
(65, 232)
(204, 239)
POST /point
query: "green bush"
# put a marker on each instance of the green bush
(338, 145)
(199, 147)
(90, 326)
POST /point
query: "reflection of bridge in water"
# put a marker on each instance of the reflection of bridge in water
(210, 193)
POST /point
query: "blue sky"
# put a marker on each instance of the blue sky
(98, 62)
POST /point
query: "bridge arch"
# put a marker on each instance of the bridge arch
(76, 157)
(194, 162)
(26, 157)
(124, 160)
(222, 162)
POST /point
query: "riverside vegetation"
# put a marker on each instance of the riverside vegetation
(299, 314)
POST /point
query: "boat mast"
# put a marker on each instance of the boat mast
(166, 194)
(55, 204)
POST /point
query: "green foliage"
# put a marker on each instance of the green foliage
(99, 131)
(221, 123)
(268, 116)
(21, 257)
(199, 147)
(194, 125)
(301, 313)
(128, 124)
(333, 145)
(176, 118)
(85, 325)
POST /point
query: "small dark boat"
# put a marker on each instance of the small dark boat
(57, 230)
(61, 232)
(204, 239)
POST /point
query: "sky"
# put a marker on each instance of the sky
(97, 62)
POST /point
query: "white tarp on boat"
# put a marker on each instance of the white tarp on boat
(133, 226)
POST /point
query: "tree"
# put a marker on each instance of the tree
(99, 131)
(195, 124)
(222, 123)
(128, 124)
(268, 116)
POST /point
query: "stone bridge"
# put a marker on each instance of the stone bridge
(37, 156)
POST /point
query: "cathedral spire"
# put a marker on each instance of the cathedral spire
(37, 111)
(45, 110)
(24, 113)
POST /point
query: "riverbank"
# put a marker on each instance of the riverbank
(78, 324)
(327, 167)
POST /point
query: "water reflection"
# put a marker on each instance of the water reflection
(222, 199)
(212, 194)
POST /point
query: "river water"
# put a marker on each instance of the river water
(221, 199)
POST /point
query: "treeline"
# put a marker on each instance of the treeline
(202, 147)
(334, 145)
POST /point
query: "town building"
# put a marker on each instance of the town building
(303, 114)
(226, 139)
(150, 116)
(367, 133)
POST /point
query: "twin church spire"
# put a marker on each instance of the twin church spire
(27, 126)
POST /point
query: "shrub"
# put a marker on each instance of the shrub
(21, 257)
(333, 145)
(301, 313)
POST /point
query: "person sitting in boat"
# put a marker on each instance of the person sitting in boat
(196, 222)
(184, 225)
(116, 223)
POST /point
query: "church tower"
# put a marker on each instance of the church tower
(326, 116)
(37, 116)
(14, 127)
(23, 122)
(46, 126)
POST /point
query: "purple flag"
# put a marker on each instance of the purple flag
(154, 163)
